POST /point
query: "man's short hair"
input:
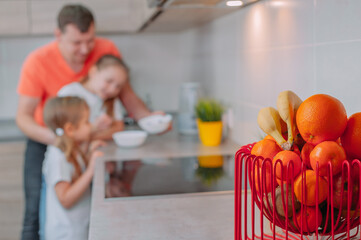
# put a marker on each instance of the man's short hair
(75, 14)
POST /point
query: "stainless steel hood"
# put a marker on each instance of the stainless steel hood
(153, 3)
(179, 15)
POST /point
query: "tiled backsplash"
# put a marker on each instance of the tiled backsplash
(245, 59)
(308, 46)
(156, 62)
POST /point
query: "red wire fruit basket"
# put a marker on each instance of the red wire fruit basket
(280, 215)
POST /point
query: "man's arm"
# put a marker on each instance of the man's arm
(132, 103)
(25, 121)
(135, 106)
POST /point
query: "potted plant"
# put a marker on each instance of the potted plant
(210, 169)
(209, 120)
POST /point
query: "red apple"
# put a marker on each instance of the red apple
(308, 219)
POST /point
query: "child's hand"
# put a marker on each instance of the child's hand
(104, 121)
(94, 145)
(93, 157)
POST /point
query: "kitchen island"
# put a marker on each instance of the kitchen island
(178, 216)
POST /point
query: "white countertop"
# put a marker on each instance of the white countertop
(180, 216)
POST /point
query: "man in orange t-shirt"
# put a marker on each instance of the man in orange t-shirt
(44, 72)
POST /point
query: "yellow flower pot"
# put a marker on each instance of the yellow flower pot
(212, 161)
(210, 169)
(210, 133)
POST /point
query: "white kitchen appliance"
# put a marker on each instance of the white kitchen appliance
(189, 95)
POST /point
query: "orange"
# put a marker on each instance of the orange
(320, 118)
(281, 182)
(269, 137)
(327, 152)
(285, 136)
(351, 138)
(266, 148)
(286, 158)
(309, 185)
(305, 154)
(266, 183)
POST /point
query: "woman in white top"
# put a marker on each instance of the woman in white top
(100, 89)
(68, 169)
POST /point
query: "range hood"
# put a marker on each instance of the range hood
(179, 15)
(185, 3)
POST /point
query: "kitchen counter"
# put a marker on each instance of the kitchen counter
(180, 216)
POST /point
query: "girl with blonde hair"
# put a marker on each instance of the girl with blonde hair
(68, 169)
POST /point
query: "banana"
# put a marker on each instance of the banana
(269, 121)
(287, 105)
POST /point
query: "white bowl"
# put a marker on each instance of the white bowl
(155, 124)
(130, 138)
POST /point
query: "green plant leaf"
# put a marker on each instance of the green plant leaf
(209, 176)
(209, 110)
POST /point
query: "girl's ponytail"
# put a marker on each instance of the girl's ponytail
(71, 151)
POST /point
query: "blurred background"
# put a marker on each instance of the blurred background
(243, 55)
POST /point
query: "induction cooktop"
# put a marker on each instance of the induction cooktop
(163, 176)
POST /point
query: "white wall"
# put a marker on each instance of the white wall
(12, 53)
(158, 65)
(307, 46)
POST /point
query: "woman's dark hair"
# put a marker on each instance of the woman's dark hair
(75, 14)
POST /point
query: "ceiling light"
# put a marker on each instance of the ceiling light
(278, 3)
(234, 3)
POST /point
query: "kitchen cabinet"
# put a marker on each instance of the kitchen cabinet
(43, 16)
(38, 17)
(14, 18)
(110, 15)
